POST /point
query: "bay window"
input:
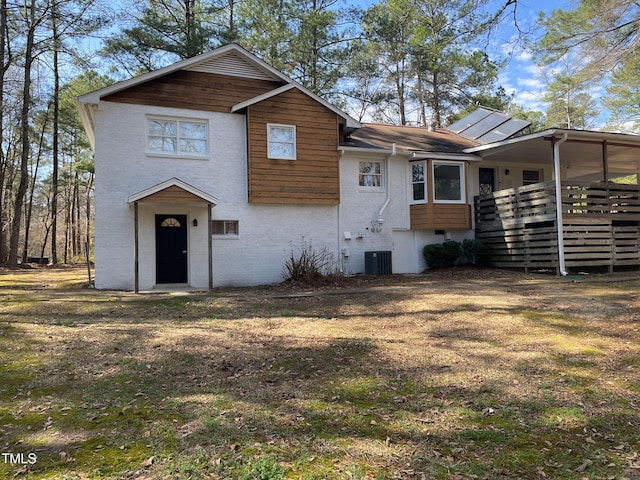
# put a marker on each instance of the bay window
(448, 182)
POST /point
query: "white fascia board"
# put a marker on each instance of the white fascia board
(412, 155)
(446, 156)
(260, 98)
(349, 121)
(86, 116)
(511, 142)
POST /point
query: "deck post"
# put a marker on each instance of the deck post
(136, 250)
(559, 220)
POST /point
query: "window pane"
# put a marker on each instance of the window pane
(217, 227)
(418, 191)
(231, 227)
(169, 145)
(162, 144)
(193, 146)
(165, 128)
(447, 182)
(281, 150)
(417, 171)
(193, 130)
(282, 134)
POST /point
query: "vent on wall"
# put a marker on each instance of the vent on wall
(377, 263)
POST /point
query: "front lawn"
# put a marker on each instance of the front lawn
(451, 375)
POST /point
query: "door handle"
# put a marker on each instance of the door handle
(184, 251)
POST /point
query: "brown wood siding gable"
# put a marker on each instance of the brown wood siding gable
(313, 177)
(173, 194)
(194, 90)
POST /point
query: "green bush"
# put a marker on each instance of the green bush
(474, 253)
(449, 253)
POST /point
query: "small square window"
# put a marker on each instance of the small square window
(529, 177)
(370, 174)
(281, 142)
(225, 227)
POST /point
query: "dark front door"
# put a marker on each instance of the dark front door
(487, 181)
(171, 249)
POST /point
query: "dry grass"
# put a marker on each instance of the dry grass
(452, 375)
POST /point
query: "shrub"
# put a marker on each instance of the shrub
(474, 253)
(311, 265)
(442, 254)
(449, 253)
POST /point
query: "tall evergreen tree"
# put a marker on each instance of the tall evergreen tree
(601, 39)
(165, 31)
(425, 53)
(623, 96)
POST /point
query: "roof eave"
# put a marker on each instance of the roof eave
(412, 155)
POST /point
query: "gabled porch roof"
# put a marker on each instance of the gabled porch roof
(173, 190)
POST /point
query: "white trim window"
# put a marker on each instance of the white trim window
(448, 182)
(225, 228)
(370, 174)
(418, 182)
(281, 141)
(175, 137)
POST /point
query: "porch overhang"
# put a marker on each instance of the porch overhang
(171, 192)
(595, 156)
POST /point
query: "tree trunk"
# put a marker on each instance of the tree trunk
(14, 242)
(34, 178)
(3, 158)
(56, 131)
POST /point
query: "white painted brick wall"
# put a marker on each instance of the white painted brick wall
(359, 206)
(268, 233)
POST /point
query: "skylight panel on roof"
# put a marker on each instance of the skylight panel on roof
(486, 126)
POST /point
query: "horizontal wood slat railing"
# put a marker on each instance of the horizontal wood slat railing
(601, 225)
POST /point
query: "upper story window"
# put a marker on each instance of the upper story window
(177, 137)
(419, 182)
(370, 174)
(281, 141)
(448, 182)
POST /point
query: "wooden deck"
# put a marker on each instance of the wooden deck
(601, 226)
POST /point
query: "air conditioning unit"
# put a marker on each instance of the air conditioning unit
(377, 263)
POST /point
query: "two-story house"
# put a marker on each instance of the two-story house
(212, 171)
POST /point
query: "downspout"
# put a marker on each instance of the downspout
(340, 255)
(380, 218)
(559, 221)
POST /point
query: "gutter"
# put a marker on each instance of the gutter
(559, 221)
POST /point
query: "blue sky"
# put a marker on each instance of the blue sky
(521, 76)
